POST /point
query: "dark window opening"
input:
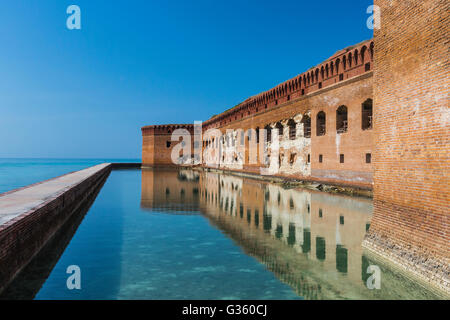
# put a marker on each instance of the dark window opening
(268, 133)
(367, 66)
(368, 158)
(320, 85)
(306, 126)
(341, 158)
(309, 158)
(257, 135)
(168, 143)
(320, 213)
(306, 246)
(276, 102)
(292, 129)
(292, 158)
(341, 259)
(279, 126)
(320, 158)
(291, 236)
(321, 124)
(303, 92)
(367, 114)
(341, 219)
(341, 77)
(341, 119)
(265, 106)
(320, 248)
(279, 231)
(288, 97)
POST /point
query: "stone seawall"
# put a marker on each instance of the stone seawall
(30, 216)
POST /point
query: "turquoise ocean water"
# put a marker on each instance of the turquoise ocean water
(17, 173)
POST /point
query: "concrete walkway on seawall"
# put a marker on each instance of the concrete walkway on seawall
(31, 216)
(17, 202)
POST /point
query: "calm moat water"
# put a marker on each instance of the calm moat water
(166, 234)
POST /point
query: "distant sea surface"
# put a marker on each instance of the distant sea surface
(17, 173)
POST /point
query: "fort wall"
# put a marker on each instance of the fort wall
(410, 225)
(334, 148)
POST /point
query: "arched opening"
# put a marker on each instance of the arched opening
(367, 114)
(341, 119)
(292, 129)
(268, 133)
(279, 126)
(321, 124)
(306, 126)
(363, 54)
(371, 49)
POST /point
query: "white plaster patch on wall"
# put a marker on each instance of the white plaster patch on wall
(338, 144)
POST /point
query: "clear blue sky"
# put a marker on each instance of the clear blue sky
(86, 93)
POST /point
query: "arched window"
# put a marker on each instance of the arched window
(350, 60)
(279, 126)
(322, 73)
(321, 124)
(326, 70)
(317, 75)
(338, 62)
(306, 126)
(371, 50)
(341, 119)
(367, 114)
(292, 129)
(332, 67)
(363, 54)
(356, 57)
(268, 133)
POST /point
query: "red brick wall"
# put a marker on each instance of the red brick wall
(155, 150)
(349, 86)
(412, 128)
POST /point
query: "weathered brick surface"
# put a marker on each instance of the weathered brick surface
(412, 130)
(348, 86)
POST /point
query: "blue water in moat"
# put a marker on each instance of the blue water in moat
(183, 235)
(125, 252)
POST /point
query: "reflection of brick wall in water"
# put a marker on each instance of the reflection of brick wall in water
(170, 190)
(306, 111)
(412, 126)
(282, 229)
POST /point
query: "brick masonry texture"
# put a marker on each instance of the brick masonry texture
(412, 128)
(345, 79)
(402, 151)
(23, 236)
